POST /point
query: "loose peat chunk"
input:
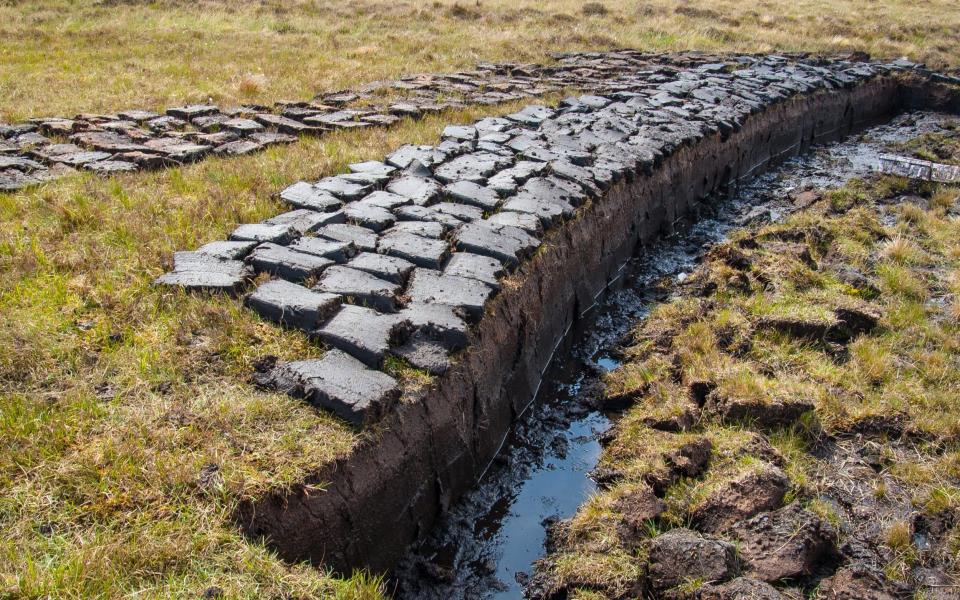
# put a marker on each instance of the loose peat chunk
(680, 555)
(306, 195)
(338, 383)
(227, 250)
(424, 353)
(421, 251)
(336, 251)
(199, 271)
(361, 237)
(359, 286)
(264, 232)
(373, 217)
(286, 263)
(432, 287)
(503, 242)
(390, 268)
(420, 190)
(475, 266)
(439, 322)
(364, 333)
(303, 220)
(292, 305)
(471, 193)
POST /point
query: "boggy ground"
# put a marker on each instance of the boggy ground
(792, 422)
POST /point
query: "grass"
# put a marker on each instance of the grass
(70, 56)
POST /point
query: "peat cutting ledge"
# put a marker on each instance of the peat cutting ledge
(472, 259)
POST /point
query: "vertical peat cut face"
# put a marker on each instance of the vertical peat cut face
(470, 260)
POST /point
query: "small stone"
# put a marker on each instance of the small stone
(78, 159)
(364, 333)
(263, 232)
(432, 287)
(292, 305)
(306, 195)
(423, 252)
(286, 263)
(360, 286)
(390, 268)
(361, 237)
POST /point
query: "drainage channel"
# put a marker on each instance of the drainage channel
(486, 545)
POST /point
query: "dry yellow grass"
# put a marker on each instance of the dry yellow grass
(65, 57)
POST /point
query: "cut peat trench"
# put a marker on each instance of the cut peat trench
(485, 546)
(426, 453)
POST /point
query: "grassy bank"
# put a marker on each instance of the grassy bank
(66, 56)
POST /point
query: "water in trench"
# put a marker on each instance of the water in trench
(485, 547)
